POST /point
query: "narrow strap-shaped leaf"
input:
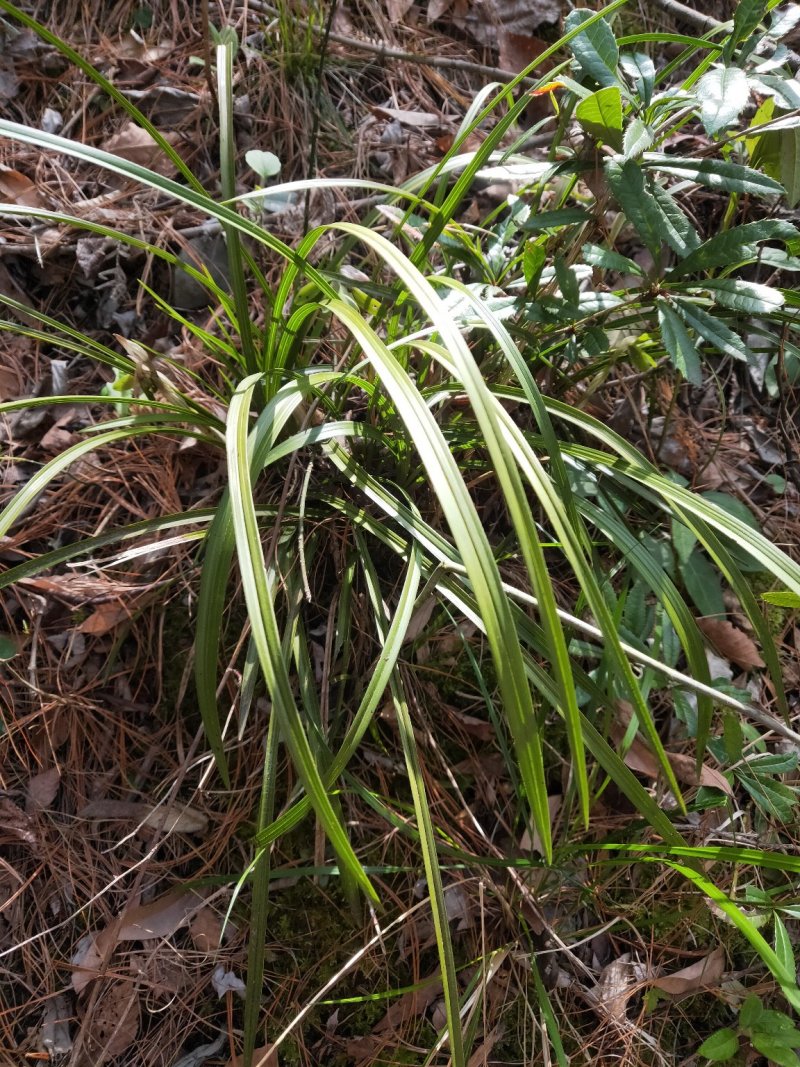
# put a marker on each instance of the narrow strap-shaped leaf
(427, 835)
(258, 588)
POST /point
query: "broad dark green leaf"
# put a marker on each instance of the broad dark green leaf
(684, 541)
(723, 93)
(627, 183)
(600, 115)
(678, 232)
(715, 174)
(746, 18)
(775, 799)
(775, 1051)
(703, 585)
(750, 1012)
(722, 1045)
(748, 297)
(595, 49)
(678, 343)
(738, 245)
(567, 282)
(714, 331)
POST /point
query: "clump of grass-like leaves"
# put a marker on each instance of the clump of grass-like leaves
(459, 357)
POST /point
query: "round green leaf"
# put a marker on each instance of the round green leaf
(775, 1050)
(720, 1046)
(265, 164)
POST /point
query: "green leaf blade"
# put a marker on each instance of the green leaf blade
(595, 48)
(723, 94)
(679, 344)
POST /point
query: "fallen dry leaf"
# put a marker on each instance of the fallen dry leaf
(731, 643)
(398, 9)
(640, 758)
(437, 8)
(137, 146)
(700, 975)
(410, 1006)
(685, 768)
(159, 970)
(42, 790)
(615, 986)
(481, 1056)
(146, 922)
(205, 930)
(87, 960)
(486, 20)
(175, 818)
(16, 188)
(517, 50)
(16, 822)
(104, 619)
(262, 1057)
(408, 118)
(114, 1024)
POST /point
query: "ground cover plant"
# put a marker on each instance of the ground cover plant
(399, 632)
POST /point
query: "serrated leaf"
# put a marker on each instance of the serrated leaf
(772, 762)
(641, 70)
(737, 245)
(782, 598)
(780, 1026)
(746, 18)
(595, 49)
(723, 93)
(703, 584)
(783, 945)
(532, 263)
(678, 232)
(567, 282)
(774, 798)
(638, 138)
(600, 115)
(679, 345)
(785, 90)
(722, 1045)
(684, 541)
(627, 183)
(715, 332)
(715, 174)
(749, 297)
(596, 256)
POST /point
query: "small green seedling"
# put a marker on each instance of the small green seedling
(771, 1033)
